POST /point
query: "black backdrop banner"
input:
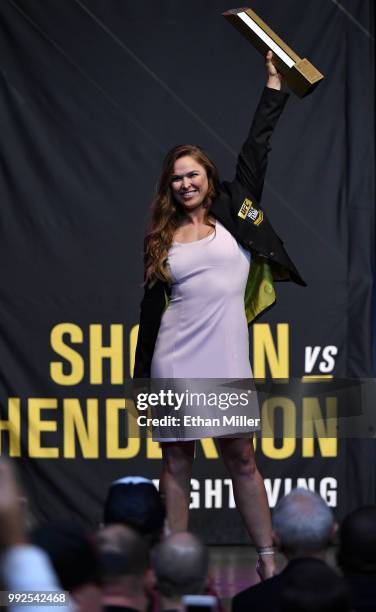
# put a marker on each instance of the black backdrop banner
(92, 96)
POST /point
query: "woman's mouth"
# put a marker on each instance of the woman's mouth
(187, 195)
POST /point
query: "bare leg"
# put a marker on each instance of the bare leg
(250, 495)
(175, 482)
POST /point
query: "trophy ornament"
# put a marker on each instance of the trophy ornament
(298, 73)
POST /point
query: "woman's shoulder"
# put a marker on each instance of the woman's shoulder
(227, 205)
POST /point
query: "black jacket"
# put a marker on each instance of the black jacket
(266, 595)
(237, 208)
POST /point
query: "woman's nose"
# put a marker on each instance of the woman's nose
(186, 182)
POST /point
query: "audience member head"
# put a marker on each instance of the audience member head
(181, 565)
(73, 556)
(125, 569)
(135, 501)
(357, 542)
(303, 524)
(314, 587)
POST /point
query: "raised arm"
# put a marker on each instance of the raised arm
(252, 161)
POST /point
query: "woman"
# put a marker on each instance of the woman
(211, 256)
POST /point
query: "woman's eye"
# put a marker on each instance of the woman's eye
(176, 179)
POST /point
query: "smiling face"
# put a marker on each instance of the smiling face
(189, 183)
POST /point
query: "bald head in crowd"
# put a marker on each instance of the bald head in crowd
(303, 524)
(181, 564)
(126, 574)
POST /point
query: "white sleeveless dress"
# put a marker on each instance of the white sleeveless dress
(204, 333)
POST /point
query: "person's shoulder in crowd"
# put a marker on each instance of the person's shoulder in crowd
(357, 556)
(266, 595)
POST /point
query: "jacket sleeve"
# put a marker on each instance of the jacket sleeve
(152, 306)
(252, 161)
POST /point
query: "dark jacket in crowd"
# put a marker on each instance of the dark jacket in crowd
(363, 591)
(267, 595)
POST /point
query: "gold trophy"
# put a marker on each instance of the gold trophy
(299, 74)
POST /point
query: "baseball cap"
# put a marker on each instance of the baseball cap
(135, 501)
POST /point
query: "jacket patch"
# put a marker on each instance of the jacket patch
(247, 204)
(255, 215)
(250, 213)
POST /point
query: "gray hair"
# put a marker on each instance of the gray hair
(303, 522)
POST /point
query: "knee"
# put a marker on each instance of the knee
(241, 463)
(177, 463)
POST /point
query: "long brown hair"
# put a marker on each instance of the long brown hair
(167, 214)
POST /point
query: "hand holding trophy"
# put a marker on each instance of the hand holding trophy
(274, 77)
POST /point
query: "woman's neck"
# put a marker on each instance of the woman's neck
(195, 217)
